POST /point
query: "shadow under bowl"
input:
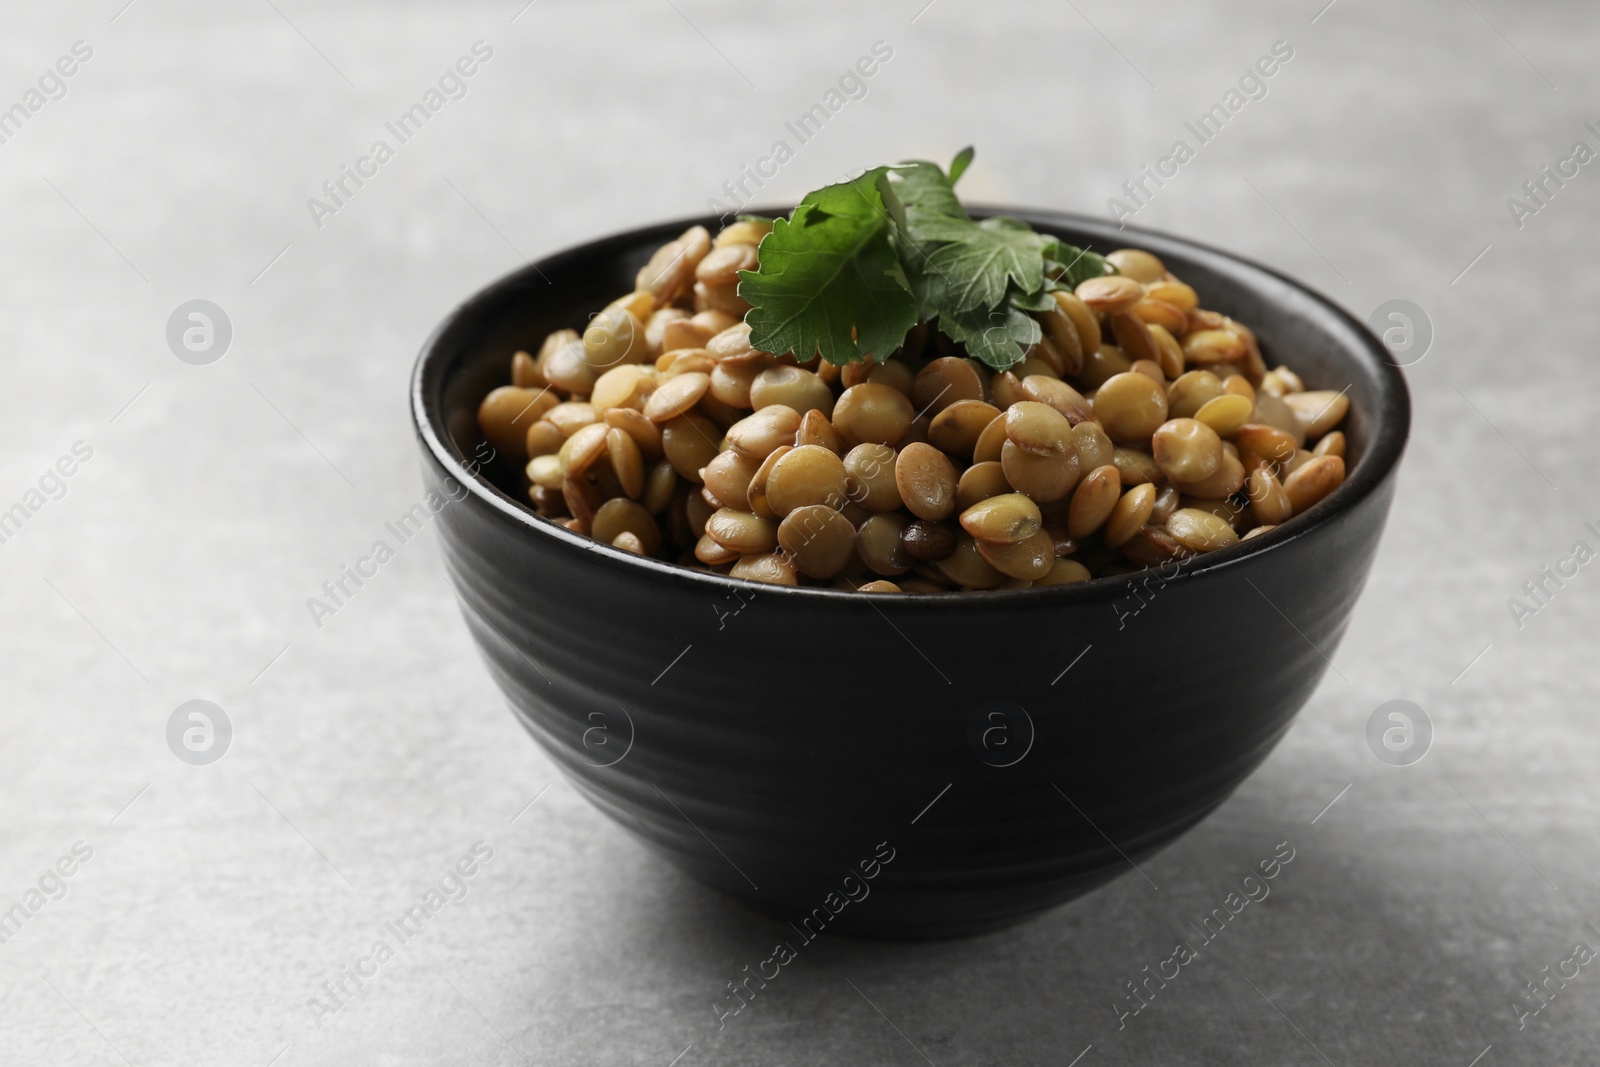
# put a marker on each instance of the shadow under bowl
(894, 765)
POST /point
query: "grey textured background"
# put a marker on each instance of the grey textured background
(370, 753)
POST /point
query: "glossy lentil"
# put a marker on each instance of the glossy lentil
(1141, 427)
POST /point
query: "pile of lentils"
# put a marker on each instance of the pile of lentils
(1142, 429)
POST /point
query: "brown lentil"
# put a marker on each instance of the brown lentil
(815, 429)
(1269, 504)
(543, 439)
(792, 387)
(1191, 391)
(757, 490)
(991, 440)
(1186, 450)
(506, 414)
(1084, 320)
(1276, 412)
(1129, 514)
(1225, 413)
(1059, 395)
(1313, 481)
(967, 568)
(771, 568)
(1319, 411)
(869, 477)
(661, 431)
(1062, 345)
(880, 544)
(1043, 478)
(1093, 500)
(1006, 389)
(675, 396)
(758, 434)
(928, 542)
(580, 451)
(1268, 442)
(956, 429)
(1200, 530)
(927, 481)
(1168, 499)
(525, 372)
(572, 416)
(1227, 480)
(659, 486)
(1160, 313)
(1130, 407)
(979, 482)
(629, 542)
(728, 476)
(741, 531)
(620, 515)
(809, 474)
(689, 443)
(1028, 559)
(1003, 520)
(1136, 467)
(1094, 447)
(1134, 337)
(943, 382)
(626, 462)
(1151, 546)
(1064, 572)
(870, 412)
(818, 539)
(1110, 294)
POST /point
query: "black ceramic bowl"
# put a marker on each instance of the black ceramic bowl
(896, 765)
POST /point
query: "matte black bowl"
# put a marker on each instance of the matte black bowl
(1005, 751)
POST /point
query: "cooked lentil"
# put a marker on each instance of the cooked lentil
(1141, 428)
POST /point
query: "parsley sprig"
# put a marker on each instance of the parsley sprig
(860, 262)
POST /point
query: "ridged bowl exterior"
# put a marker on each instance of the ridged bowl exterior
(778, 744)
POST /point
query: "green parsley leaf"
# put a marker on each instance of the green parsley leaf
(999, 338)
(859, 263)
(987, 258)
(958, 165)
(830, 279)
(1068, 267)
(1041, 301)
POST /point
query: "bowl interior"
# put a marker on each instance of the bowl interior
(469, 355)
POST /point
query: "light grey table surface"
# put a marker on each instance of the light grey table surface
(371, 752)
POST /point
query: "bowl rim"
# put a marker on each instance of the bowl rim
(1391, 427)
